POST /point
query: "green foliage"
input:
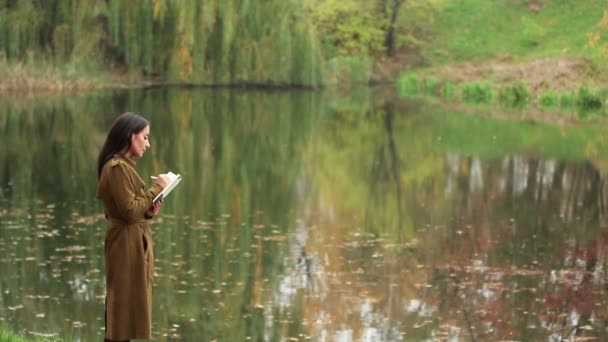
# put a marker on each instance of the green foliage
(6, 336)
(478, 92)
(417, 23)
(567, 100)
(597, 40)
(588, 99)
(211, 42)
(408, 84)
(348, 70)
(516, 94)
(431, 85)
(348, 27)
(360, 27)
(549, 99)
(448, 90)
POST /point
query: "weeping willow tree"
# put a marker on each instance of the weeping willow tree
(208, 42)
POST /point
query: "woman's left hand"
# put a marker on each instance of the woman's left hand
(154, 209)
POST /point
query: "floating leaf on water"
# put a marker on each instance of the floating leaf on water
(276, 238)
(43, 334)
(78, 324)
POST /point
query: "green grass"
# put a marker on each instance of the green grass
(42, 75)
(448, 90)
(549, 99)
(477, 92)
(481, 29)
(567, 100)
(408, 84)
(516, 95)
(10, 337)
(6, 336)
(589, 99)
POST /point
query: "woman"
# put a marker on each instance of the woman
(129, 260)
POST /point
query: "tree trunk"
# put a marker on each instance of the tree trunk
(389, 41)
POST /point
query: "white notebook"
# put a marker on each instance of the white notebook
(174, 179)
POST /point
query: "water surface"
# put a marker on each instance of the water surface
(310, 216)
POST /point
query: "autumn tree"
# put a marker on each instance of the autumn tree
(378, 27)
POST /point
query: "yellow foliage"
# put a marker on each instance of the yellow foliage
(156, 8)
(603, 24)
(593, 39)
(183, 60)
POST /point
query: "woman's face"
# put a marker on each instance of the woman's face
(139, 143)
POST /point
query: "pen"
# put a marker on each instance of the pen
(153, 177)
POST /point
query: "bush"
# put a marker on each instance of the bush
(409, 84)
(515, 95)
(448, 90)
(588, 99)
(477, 92)
(431, 85)
(549, 99)
(567, 100)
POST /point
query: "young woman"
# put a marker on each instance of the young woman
(129, 259)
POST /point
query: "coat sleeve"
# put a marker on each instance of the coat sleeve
(131, 206)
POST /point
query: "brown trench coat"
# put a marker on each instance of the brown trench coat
(129, 258)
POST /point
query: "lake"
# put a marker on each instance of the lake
(312, 216)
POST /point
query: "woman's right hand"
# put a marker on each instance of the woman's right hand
(162, 180)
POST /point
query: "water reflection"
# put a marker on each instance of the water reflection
(306, 218)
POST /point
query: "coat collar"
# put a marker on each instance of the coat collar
(126, 159)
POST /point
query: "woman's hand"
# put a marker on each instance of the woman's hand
(162, 180)
(154, 209)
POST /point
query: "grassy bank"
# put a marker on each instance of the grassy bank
(517, 53)
(516, 94)
(456, 41)
(481, 30)
(41, 76)
(44, 76)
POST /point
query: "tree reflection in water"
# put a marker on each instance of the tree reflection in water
(312, 221)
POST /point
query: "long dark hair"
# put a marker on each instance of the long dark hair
(119, 137)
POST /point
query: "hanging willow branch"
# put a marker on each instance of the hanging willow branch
(206, 42)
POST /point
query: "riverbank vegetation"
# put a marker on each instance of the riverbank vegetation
(70, 44)
(229, 43)
(6, 336)
(517, 53)
(211, 43)
(516, 95)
